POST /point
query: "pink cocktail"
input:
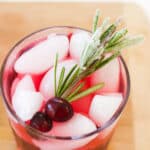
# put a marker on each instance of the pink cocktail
(27, 83)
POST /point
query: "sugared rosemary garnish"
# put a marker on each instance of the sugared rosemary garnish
(104, 40)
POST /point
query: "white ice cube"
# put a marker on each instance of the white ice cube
(77, 44)
(78, 125)
(26, 103)
(42, 56)
(103, 107)
(47, 83)
(26, 83)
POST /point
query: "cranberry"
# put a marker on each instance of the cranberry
(41, 122)
(59, 109)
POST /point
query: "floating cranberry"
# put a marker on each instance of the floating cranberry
(41, 122)
(59, 109)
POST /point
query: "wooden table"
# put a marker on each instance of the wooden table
(20, 19)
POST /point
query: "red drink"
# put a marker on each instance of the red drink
(95, 116)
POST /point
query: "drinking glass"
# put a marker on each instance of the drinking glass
(28, 138)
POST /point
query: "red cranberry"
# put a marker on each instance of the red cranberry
(41, 122)
(59, 109)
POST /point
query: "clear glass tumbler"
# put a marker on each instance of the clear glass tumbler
(28, 138)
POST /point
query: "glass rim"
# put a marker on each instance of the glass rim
(43, 135)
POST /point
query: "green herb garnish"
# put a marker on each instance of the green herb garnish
(105, 39)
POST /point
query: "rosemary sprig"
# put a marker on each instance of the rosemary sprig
(109, 31)
(61, 78)
(66, 80)
(105, 39)
(95, 20)
(86, 92)
(77, 89)
(69, 81)
(116, 37)
(124, 43)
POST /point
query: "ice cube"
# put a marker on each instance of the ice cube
(77, 44)
(103, 107)
(47, 83)
(42, 56)
(26, 103)
(76, 126)
(110, 75)
(26, 83)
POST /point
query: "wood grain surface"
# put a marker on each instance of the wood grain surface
(20, 19)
